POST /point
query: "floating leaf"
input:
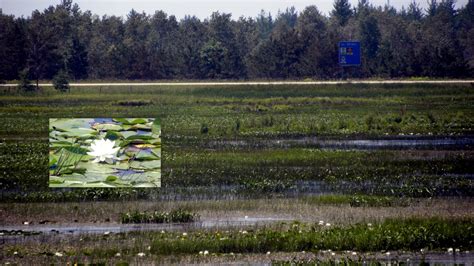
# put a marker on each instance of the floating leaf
(143, 137)
(113, 135)
(106, 127)
(156, 164)
(145, 146)
(141, 126)
(111, 178)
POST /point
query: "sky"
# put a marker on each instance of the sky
(199, 8)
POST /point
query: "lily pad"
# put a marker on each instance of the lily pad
(145, 165)
(106, 127)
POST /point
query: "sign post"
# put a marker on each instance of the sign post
(349, 54)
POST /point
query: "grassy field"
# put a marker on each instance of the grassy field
(226, 149)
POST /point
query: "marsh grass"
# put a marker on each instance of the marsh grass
(358, 200)
(392, 234)
(174, 216)
(304, 209)
(194, 116)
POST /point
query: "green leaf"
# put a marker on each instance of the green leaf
(76, 150)
(106, 127)
(111, 178)
(139, 121)
(146, 165)
(113, 135)
(143, 137)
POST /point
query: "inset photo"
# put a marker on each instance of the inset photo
(104, 152)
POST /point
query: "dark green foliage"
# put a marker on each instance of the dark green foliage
(61, 81)
(24, 83)
(342, 11)
(406, 43)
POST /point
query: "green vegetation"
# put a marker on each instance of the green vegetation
(234, 140)
(392, 234)
(411, 234)
(403, 42)
(358, 200)
(174, 216)
(104, 152)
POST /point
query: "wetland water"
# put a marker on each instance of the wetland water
(93, 228)
(399, 143)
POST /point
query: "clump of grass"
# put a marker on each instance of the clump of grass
(358, 200)
(174, 216)
(377, 201)
(392, 234)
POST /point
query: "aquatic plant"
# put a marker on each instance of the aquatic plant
(103, 151)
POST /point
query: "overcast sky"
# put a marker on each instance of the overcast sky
(200, 8)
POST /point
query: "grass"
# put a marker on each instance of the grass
(305, 209)
(392, 234)
(358, 200)
(174, 216)
(411, 234)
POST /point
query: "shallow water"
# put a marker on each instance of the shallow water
(401, 143)
(92, 228)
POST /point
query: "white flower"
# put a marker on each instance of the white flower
(321, 223)
(206, 252)
(141, 254)
(450, 250)
(268, 253)
(58, 254)
(185, 234)
(328, 224)
(103, 150)
(117, 254)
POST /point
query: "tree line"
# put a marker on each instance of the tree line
(411, 42)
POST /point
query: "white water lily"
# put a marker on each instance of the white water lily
(103, 150)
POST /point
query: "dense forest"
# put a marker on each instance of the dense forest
(412, 42)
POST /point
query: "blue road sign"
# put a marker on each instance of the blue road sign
(349, 53)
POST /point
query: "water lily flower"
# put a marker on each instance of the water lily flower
(58, 254)
(141, 254)
(117, 254)
(206, 252)
(103, 150)
(450, 250)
